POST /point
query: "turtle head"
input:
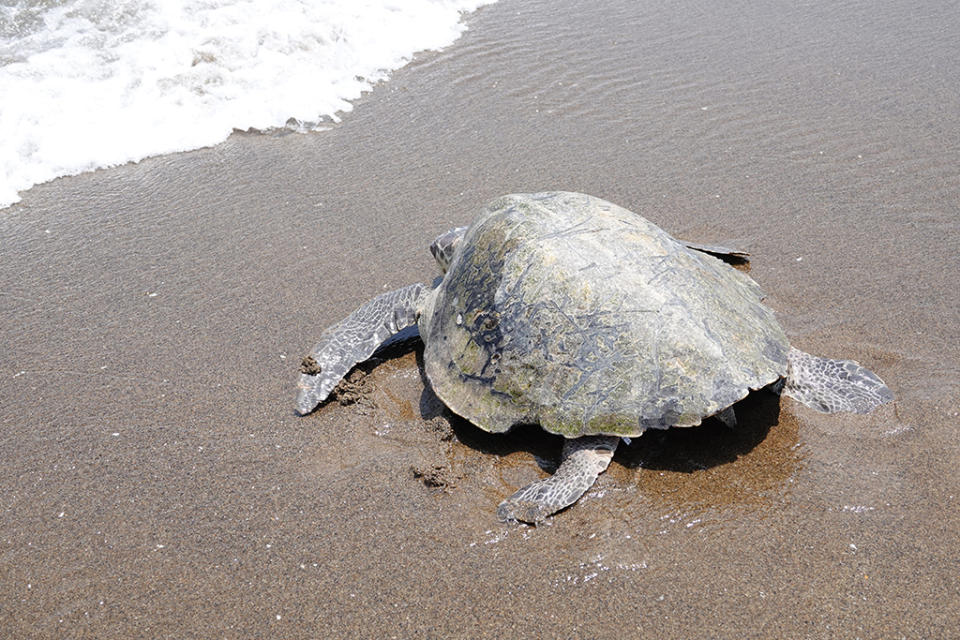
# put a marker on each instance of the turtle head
(445, 245)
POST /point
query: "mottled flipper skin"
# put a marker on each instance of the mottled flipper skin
(832, 386)
(583, 460)
(353, 340)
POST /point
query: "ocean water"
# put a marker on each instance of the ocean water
(95, 83)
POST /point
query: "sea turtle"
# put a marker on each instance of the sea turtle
(569, 311)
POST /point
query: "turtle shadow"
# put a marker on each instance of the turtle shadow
(710, 444)
(400, 344)
(677, 449)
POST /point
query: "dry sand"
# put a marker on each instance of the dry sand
(155, 482)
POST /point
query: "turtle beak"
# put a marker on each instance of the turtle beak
(438, 255)
(445, 246)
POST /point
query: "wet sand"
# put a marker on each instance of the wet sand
(155, 482)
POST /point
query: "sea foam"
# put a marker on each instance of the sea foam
(96, 83)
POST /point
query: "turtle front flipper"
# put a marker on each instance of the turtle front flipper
(583, 460)
(353, 340)
(830, 386)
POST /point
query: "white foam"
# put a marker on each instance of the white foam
(96, 83)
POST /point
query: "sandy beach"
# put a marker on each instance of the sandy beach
(155, 481)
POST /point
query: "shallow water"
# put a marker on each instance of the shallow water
(155, 480)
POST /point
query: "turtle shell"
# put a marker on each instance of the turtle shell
(566, 310)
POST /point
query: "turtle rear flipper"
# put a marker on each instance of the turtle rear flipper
(353, 340)
(731, 256)
(830, 385)
(583, 460)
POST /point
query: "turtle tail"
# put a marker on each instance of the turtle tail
(832, 386)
